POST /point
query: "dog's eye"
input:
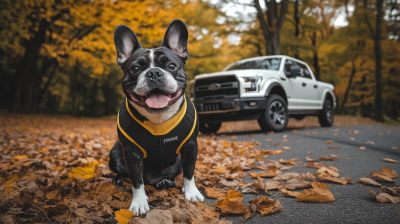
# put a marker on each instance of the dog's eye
(171, 66)
(135, 69)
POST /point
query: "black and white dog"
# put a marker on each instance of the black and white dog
(156, 113)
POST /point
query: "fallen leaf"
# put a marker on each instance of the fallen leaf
(311, 160)
(229, 207)
(234, 195)
(342, 180)
(81, 172)
(313, 165)
(273, 184)
(286, 147)
(123, 216)
(394, 148)
(329, 141)
(394, 191)
(320, 193)
(325, 171)
(310, 152)
(369, 181)
(362, 148)
(370, 142)
(221, 169)
(215, 192)
(352, 139)
(208, 212)
(266, 206)
(251, 210)
(327, 158)
(334, 147)
(289, 193)
(297, 183)
(387, 198)
(391, 160)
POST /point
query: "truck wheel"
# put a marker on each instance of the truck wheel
(326, 116)
(207, 128)
(275, 117)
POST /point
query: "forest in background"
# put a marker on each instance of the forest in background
(58, 56)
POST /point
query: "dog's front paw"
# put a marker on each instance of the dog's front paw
(191, 192)
(139, 205)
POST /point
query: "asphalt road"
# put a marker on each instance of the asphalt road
(353, 203)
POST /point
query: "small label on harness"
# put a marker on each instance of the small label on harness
(175, 138)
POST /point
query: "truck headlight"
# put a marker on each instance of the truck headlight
(252, 84)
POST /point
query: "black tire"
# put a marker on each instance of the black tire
(299, 117)
(275, 117)
(326, 115)
(207, 128)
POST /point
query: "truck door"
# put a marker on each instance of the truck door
(310, 88)
(294, 89)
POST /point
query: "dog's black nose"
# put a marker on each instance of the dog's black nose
(154, 73)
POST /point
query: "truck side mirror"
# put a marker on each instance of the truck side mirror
(295, 70)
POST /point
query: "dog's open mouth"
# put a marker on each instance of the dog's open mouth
(156, 99)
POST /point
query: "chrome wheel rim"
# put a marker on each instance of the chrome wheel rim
(277, 113)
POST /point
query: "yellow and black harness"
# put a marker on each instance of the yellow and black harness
(160, 143)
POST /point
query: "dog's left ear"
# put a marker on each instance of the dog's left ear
(176, 39)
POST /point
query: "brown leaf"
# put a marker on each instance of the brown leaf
(155, 216)
(391, 160)
(221, 169)
(334, 147)
(234, 195)
(215, 192)
(325, 171)
(107, 188)
(313, 165)
(208, 212)
(368, 181)
(297, 183)
(311, 160)
(394, 191)
(123, 216)
(320, 193)
(342, 180)
(289, 193)
(229, 207)
(266, 206)
(327, 158)
(251, 210)
(184, 212)
(273, 184)
(387, 198)
(158, 195)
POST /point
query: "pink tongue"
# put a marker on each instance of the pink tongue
(157, 100)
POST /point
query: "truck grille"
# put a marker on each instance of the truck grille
(212, 106)
(228, 87)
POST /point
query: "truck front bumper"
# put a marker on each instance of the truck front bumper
(230, 109)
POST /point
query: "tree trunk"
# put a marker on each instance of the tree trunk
(74, 89)
(378, 62)
(27, 68)
(315, 57)
(297, 25)
(353, 71)
(46, 86)
(272, 29)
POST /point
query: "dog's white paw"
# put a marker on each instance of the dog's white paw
(139, 205)
(191, 192)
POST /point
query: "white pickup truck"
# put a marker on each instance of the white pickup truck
(270, 89)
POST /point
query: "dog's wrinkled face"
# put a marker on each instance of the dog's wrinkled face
(153, 78)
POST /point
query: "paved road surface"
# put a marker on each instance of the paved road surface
(353, 203)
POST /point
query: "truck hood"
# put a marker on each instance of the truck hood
(239, 73)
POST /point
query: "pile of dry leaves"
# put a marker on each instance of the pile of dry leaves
(55, 170)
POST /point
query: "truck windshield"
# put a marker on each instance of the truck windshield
(266, 63)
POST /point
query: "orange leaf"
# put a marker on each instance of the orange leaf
(123, 216)
(234, 195)
(266, 206)
(231, 207)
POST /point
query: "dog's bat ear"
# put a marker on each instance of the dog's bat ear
(125, 42)
(176, 39)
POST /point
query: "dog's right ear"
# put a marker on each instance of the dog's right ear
(125, 42)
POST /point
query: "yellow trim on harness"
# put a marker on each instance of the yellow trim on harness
(163, 128)
(130, 139)
(190, 134)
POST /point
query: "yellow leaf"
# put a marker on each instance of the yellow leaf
(123, 216)
(82, 172)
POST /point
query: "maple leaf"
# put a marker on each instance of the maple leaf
(123, 216)
(266, 206)
(231, 207)
(81, 172)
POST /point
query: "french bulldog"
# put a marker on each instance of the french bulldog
(154, 83)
